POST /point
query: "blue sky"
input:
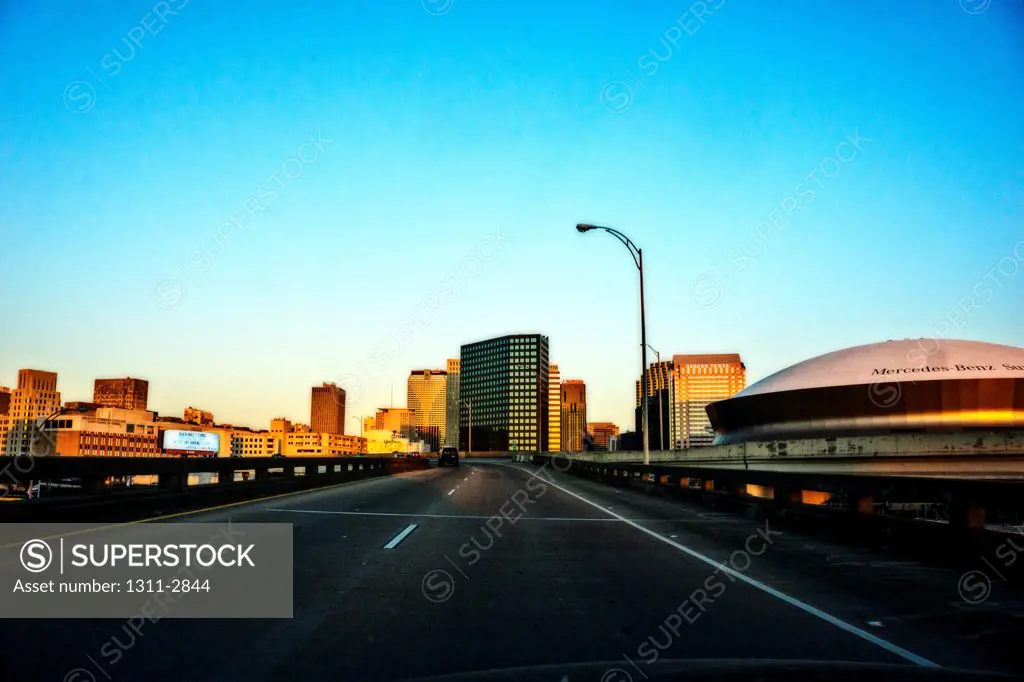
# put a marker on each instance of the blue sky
(133, 132)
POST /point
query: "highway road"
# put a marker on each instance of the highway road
(508, 565)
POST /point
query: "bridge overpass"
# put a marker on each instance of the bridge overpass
(547, 561)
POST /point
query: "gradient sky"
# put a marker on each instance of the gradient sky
(449, 120)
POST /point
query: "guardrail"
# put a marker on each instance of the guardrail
(915, 445)
(965, 501)
(172, 472)
(95, 499)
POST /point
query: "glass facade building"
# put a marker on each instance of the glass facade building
(506, 381)
(452, 397)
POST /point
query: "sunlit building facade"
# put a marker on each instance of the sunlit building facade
(35, 397)
(506, 381)
(196, 416)
(574, 415)
(388, 442)
(396, 419)
(106, 432)
(427, 391)
(704, 379)
(311, 444)
(126, 393)
(682, 389)
(256, 444)
(554, 409)
(327, 409)
(602, 432)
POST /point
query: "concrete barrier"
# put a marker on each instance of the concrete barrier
(994, 443)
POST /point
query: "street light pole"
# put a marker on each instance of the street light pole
(638, 260)
(643, 353)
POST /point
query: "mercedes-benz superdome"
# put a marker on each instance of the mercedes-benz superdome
(913, 385)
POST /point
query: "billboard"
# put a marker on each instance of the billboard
(191, 442)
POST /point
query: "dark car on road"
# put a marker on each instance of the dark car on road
(449, 457)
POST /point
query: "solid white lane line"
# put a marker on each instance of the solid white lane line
(401, 536)
(793, 601)
(438, 516)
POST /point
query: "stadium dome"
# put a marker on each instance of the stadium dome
(896, 386)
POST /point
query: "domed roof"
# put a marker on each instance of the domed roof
(893, 361)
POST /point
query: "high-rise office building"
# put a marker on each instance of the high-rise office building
(5, 400)
(684, 387)
(327, 409)
(665, 435)
(35, 398)
(126, 394)
(574, 415)
(661, 420)
(662, 376)
(505, 380)
(451, 419)
(554, 409)
(706, 378)
(426, 397)
(602, 432)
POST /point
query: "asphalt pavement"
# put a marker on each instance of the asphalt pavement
(495, 565)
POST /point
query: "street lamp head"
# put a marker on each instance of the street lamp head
(583, 227)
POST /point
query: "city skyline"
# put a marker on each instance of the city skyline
(364, 409)
(480, 198)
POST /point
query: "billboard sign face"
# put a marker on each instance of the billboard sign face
(191, 442)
